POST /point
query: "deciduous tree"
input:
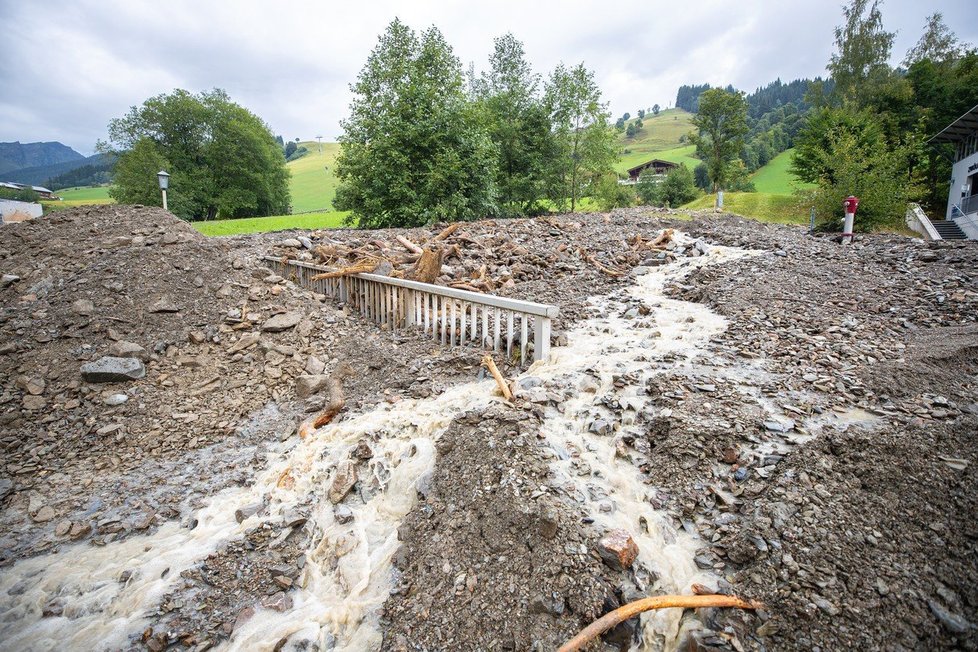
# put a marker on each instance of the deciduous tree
(586, 144)
(223, 160)
(413, 150)
(721, 125)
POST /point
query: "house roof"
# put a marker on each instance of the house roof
(21, 186)
(653, 161)
(963, 127)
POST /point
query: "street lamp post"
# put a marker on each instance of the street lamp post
(164, 180)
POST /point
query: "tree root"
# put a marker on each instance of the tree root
(631, 609)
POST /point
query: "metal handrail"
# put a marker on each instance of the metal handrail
(450, 315)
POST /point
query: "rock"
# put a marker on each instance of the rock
(282, 322)
(6, 488)
(952, 621)
(618, 550)
(314, 366)
(363, 450)
(116, 399)
(291, 242)
(600, 427)
(164, 304)
(247, 511)
(44, 514)
(33, 386)
(34, 403)
(306, 386)
(342, 514)
(83, 307)
(247, 340)
(529, 382)
(79, 530)
(123, 349)
(8, 279)
(304, 241)
(343, 481)
(278, 602)
(779, 426)
(243, 616)
(62, 528)
(113, 370)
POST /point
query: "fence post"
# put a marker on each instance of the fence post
(541, 338)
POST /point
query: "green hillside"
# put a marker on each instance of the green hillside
(658, 138)
(776, 177)
(313, 184)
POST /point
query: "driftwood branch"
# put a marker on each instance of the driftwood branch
(410, 246)
(490, 364)
(621, 614)
(447, 231)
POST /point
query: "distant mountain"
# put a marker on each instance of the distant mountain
(18, 156)
(39, 175)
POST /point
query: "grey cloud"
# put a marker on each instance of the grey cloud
(292, 62)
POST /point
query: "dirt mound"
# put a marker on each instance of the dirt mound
(102, 460)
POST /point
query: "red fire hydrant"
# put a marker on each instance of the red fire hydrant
(850, 204)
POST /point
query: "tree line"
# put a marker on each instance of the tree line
(425, 141)
(867, 134)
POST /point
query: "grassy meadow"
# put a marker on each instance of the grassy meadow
(323, 220)
(764, 206)
(776, 177)
(313, 183)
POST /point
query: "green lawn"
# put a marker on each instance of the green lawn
(764, 206)
(313, 183)
(776, 177)
(324, 220)
(96, 194)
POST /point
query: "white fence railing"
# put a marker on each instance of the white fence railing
(452, 317)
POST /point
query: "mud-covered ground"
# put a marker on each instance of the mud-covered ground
(820, 449)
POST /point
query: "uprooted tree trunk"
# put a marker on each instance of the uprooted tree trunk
(428, 267)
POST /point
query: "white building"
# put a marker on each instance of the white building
(962, 201)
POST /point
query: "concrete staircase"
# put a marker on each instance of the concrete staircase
(949, 230)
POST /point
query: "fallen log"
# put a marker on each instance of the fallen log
(410, 246)
(362, 267)
(621, 614)
(447, 231)
(490, 364)
(662, 238)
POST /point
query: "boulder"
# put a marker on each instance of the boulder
(618, 549)
(282, 322)
(343, 481)
(83, 307)
(113, 370)
(306, 386)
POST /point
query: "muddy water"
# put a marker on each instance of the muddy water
(347, 572)
(612, 491)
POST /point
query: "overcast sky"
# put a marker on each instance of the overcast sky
(69, 66)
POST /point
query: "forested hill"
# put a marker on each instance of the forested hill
(18, 156)
(761, 101)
